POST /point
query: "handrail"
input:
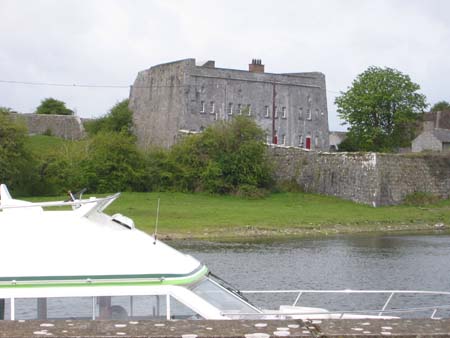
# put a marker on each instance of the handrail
(275, 313)
(59, 203)
(349, 291)
(383, 310)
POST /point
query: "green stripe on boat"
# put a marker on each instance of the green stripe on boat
(104, 280)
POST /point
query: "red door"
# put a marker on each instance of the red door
(308, 143)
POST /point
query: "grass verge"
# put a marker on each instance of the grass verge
(203, 216)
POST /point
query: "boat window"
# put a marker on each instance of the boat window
(53, 308)
(131, 307)
(180, 311)
(150, 307)
(221, 298)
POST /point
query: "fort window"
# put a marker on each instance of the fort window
(283, 112)
(300, 140)
(240, 109)
(212, 107)
(308, 114)
(230, 109)
(283, 139)
(276, 112)
(249, 110)
(202, 106)
(316, 141)
(267, 111)
(300, 113)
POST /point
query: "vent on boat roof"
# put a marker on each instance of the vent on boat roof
(123, 220)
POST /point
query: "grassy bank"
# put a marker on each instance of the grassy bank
(280, 215)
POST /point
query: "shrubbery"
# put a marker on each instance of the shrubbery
(51, 106)
(16, 160)
(420, 198)
(228, 157)
(118, 120)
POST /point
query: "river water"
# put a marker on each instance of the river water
(417, 262)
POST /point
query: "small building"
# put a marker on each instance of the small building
(433, 140)
(189, 96)
(436, 133)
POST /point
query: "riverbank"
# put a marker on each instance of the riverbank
(280, 215)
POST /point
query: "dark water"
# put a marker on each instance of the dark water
(343, 262)
(401, 262)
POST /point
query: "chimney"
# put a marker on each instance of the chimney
(256, 66)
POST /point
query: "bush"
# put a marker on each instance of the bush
(420, 198)
(113, 164)
(59, 169)
(251, 192)
(16, 161)
(51, 106)
(226, 156)
(119, 120)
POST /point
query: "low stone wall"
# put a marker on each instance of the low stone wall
(369, 178)
(294, 328)
(66, 126)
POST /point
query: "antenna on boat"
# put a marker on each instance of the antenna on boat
(156, 224)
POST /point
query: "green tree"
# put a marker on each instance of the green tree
(6, 110)
(382, 108)
(16, 162)
(227, 157)
(113, 163)
(51, 106)
(441, 106)
(119, 120)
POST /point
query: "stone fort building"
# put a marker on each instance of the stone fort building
(185, 97)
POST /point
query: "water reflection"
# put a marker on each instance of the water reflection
(369, 262)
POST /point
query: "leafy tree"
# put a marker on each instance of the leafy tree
(59, 168)
(15, 158)
(113, 163)
(441, 106)
(51, 106)
(382, 107)
(119, 119)
(6, 110)
(225, 158)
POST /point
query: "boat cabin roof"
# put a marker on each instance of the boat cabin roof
(82, 246)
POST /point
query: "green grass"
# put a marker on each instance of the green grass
(49, 145)
(43, 143)
(282, 214)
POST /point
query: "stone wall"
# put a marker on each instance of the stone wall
(65, 126)
(369, 178)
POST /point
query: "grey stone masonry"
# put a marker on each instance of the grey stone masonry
(66, 126)
(432, 140)
(369, 178)
(183, 96)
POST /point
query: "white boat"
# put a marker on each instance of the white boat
(79, 262)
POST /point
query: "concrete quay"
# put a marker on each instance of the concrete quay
(226, 329)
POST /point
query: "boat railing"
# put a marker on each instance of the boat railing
(105, 200)
(384, 310)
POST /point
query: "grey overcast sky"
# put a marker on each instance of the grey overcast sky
(106, 42)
